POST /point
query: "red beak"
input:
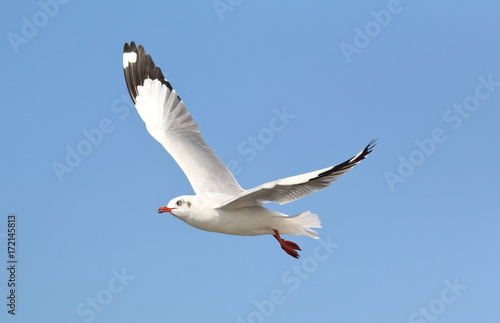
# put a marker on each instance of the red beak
(164, 209)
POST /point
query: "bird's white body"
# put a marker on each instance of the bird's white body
(220, 204)
(203, 212)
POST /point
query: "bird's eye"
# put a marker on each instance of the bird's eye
(179, 202)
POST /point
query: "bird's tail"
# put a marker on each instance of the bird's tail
(302, 224)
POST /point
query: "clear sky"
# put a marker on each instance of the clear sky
(278, 89)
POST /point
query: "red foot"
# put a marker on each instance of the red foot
(289, 246)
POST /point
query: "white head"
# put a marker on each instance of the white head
(179, 207)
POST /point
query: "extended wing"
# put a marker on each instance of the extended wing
(169, 122)
(292, 188)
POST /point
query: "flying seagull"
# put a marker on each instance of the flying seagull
(220, 204)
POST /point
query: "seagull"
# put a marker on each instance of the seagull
(220, 204)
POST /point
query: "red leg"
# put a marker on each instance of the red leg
(289, 246)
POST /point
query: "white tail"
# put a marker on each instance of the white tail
(301, 224)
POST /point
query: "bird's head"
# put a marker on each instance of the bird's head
(179, 207)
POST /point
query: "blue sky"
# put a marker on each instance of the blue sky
(409, 235)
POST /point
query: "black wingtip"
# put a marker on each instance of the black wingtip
(143, 68)
(368, 149)
(350, 162)
(141, 49)
(129, 48)
(370, 146)
(133, 48)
